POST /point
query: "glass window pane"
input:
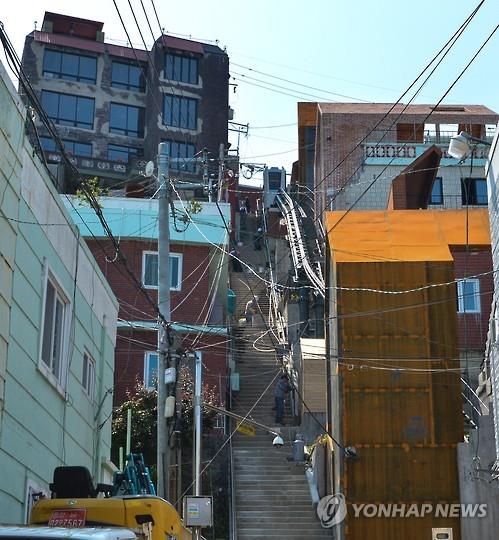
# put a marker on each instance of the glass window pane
(84, 377)
(88, 69)
(151, 375)
(69, 67)
(50, 102)
(118, 118)
(167, 110)
(437, 192)
(177, 68)
(48, 322)
(193, 71)
(67, 109)
(133, 120)
(52, 61)
(58, 334)
(174, 277)
(169, 66)
(134, 77)
(151, 270)
(192, 115)
(185, 69)
(184, 115)
(119, 75)
(176, 112)
(481, 190)
(85, 112)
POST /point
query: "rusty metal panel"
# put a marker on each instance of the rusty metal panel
(400, 403)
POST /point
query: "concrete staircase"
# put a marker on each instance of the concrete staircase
(271, 492)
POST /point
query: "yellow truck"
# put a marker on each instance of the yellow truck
(148, 516)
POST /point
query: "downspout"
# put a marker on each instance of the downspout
(101, 397)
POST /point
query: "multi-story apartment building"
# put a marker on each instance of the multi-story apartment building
(344, 147)
(57, 330)
(114, 104)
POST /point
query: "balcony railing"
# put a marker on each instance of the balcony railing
(411, 150)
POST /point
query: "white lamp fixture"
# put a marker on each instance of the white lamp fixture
(460, 147)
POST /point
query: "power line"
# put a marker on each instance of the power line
(300, 84)
(426, 118)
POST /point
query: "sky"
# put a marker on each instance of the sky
(346, 51)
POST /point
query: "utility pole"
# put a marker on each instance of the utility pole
(221, 167)
(197, 434)
(163, 445)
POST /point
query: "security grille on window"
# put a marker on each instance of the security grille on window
(126, 120)
(179, 111)
(150, 369)
(468, 296)
(181, 68)
(128, 77)
(88, 375)
(117, 152)
(69, 110)
(181, 150)
(54, 329)
(71, 67)
(150, 270)
(72, 147)
(474, 191)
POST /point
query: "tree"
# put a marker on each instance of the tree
(143, 402)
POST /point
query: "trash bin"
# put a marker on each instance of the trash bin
(298, 446)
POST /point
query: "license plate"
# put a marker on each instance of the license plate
(74, 517)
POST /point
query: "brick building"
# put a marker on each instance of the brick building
(113, 105)
(328, 132)
(198, 286)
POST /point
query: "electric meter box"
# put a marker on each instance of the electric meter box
(198, 511)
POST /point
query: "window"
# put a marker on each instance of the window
(116, 152)
(54, 334)
(72, 147)
(88, 376)
(468, 296)
(71, 67)
(68, 110)
(128, 77)
(179, 112)
(181, 150)
(150, 270)
(181, 68)
(150, 369)
(474, 191)
(126, 120)
(437, 194)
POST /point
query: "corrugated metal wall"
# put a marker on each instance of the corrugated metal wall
(405, 424)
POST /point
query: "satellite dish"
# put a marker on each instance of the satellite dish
(148, 171)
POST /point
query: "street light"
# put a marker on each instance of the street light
(460, 146)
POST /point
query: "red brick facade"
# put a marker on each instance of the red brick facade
(473, 327)
(132, 344)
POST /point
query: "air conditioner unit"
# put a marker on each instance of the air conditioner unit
(441, 534)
